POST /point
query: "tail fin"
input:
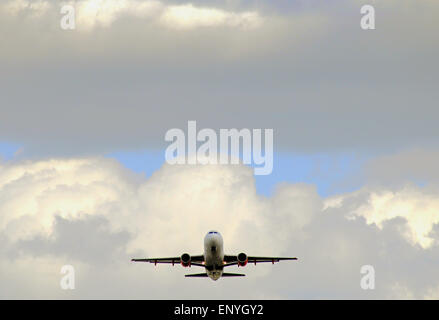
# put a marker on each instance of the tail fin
(197, 275)
(225, 274)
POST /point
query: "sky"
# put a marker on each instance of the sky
(84, 113)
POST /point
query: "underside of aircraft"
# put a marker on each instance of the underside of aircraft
(213, 260)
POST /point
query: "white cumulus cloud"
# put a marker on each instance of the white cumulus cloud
(419, 207)
(96, 215)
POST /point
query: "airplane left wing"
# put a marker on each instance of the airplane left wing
(231, 260)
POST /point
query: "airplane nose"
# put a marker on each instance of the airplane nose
(212, 240)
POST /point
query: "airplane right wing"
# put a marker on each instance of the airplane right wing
(193, 260)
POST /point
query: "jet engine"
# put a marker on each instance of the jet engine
(185, 260)
(242, 259)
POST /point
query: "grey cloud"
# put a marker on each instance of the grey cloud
(418, 165)
(314, 76)
(88, 240)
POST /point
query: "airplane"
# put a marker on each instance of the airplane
(214, 259)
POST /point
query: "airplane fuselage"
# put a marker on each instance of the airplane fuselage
(213, 255)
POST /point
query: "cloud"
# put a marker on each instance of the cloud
(433, 294)
(94, 214)
(417, 206)
(68, 238)
(313, 65)
(91, 14)
(35, 9)
(417, 164)
(189, 16)
(68, 188)
(95, 13)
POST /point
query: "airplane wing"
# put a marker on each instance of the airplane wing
(231, 260)
(195, 260)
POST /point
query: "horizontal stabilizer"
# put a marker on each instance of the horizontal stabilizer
(225, 274)
(197, 275)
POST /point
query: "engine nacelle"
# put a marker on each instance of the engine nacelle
(185, 260)
(242, 259)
